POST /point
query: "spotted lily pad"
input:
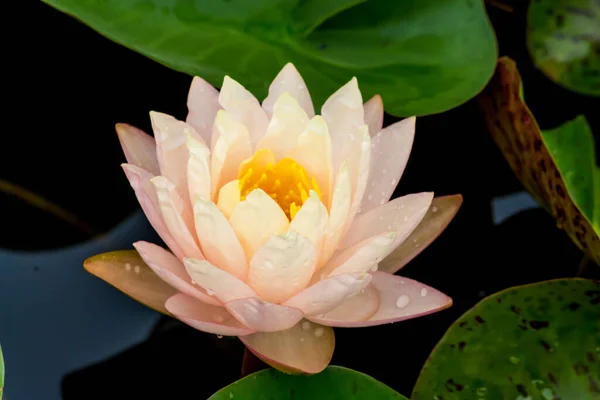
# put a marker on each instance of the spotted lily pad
(557, 166)
(334, 383)
(563, 37)
(411, 52)
(538, 341)
(126, 271)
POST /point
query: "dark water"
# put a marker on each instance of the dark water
(68, 86)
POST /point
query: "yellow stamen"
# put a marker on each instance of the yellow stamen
(285, 181)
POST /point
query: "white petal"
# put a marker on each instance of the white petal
(231, 148)
(244, 107)
(229, 197)
(340, 206)
(311, 220)
(282, 267)
(256, 219)
(217, 282)
(359, 172)
(198, 170)
(289, 80)
(217, 239)
(288, 122)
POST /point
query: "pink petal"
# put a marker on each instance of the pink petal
(263, 316)
(219, 243)
(390, 151)
(205, 317)
(402, 215)
(215, 281)
(289, 80)
(173, 213)
(203, 104)
(399, 299)
(171, 270)
(311, 220)
(360, 258)
(354, 309)
(139, 148)
(305, 348)
(146, 195)
(244, 107)
(229, 198)
(442, 211)
(374, 114)
(343, 112)
(231, 148)
(282, 267)
(327, 294)
(359, 174)
(198, 170)
(173, 154)
(338, 213)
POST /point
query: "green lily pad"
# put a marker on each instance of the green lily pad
(557, 166)
(334, 383)
(563, 37)
(422, 56)
(539, 341)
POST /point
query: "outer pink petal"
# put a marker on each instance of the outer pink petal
(244, 107)
(289, 80)
(146, 195)
(306, 348)
(171, 270)
(173, 210)
(374, 114)
(327, 294)
(139, 147)
(205, 317)
(399, 299)
(203, 104)
(442, 211)
(263, 316)
(390, 151)
(402, 215)
(215, 281)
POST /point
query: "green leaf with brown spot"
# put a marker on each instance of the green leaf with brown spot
(126, 271)
(563, 37)
(557, 167)
(536, 342)
(334, 383)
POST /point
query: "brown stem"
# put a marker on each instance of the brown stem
(500, 5)
(251, 363)
(584, 262)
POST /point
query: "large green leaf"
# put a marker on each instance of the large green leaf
(563, 37)
(422, 56)
(557, 167)
(334, 383)
(539, 341)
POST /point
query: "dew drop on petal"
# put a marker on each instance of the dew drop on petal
(384, 171)
(423, 292)
(370, 197)
(136, 269)
(127, 266)
(319, 332)
(394, 181)
(405, 218)
(306, 325)
(220, 336)
(402, 301)
(434, 209)
(209, 292)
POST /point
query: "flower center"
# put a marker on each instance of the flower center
(285, 181)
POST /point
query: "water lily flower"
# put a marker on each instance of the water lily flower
(276, 219)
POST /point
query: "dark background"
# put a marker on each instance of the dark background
(67, 86)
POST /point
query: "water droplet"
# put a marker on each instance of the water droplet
(382, 202)
(405, 218)
(319, 332)
(219, 318)
(381, 217)
(301, 86)
(514, 360)
(417, 245)
(127, 267)
(402, 301)
(136, 269)
(231, 395)
(302, 339)
(389, 227)
(384, 171)
(434, 209)
(209, 292)
(423, 292)
(219, 336)
(394, 181)
(370, 197)
(306, 325)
